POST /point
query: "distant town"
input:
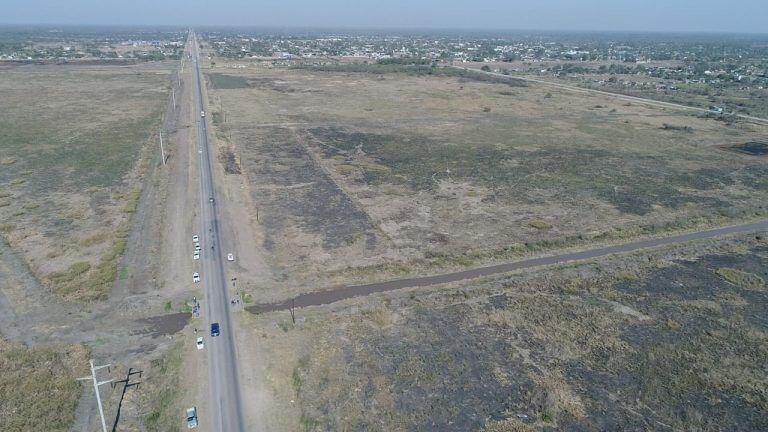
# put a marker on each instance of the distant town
(728, 73)
(42, 44)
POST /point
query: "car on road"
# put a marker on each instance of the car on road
(200, 344)
(230, 257)
(215, 330)
(195, 277)
(202, 113)
(197, 246)
(210, 199)
(196, 255)
(191, 418)
(195, 239)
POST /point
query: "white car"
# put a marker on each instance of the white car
(230, 257)
(196, 255)
(195, 277)
(197, 246)
(191, 418)
(195, 239)
(200, 344)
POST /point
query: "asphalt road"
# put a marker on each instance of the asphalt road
(225, 402)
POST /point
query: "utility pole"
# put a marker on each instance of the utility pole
(162, 152)
(96, 385)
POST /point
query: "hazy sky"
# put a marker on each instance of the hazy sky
(654, 15)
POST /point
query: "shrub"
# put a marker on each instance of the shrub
(741, 278)
(539, 224)
(38, 386)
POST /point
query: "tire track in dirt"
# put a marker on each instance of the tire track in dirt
(138, 269)
(23, 300)
(318, 298)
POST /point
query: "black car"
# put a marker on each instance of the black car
(215, 329)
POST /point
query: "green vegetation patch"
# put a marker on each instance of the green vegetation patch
(540, 224)
(132, 201)
(165, 395)
(418, 69)
(82, 136)
(98, 157)
(70, 274)
(38, 386)
(741, 278)
(84, 282)
(223, 81)
(95, 239)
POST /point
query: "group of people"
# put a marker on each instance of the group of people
(195, 307)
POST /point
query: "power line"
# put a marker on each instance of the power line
(162, 152)
(96, 385)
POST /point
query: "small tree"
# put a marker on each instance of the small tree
(485, 68)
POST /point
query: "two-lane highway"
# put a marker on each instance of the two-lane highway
(225, 406)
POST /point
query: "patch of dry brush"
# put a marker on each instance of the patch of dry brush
(38, 387)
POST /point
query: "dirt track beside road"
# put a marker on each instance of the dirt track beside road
(318, 298)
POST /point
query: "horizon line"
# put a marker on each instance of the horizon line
(385, 28)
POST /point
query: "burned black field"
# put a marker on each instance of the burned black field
(292, 189)
(632, 185)
(678, 346)
(753, 148)
(356, 178)
(364, 177)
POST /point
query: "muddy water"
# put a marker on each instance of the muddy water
(331, 296)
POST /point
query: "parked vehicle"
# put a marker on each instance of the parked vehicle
(200, 344)
(195, 277)
(230, 257)
(191, 418)
(196, 255)
(195, 239)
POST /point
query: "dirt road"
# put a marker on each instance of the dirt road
(330, 296)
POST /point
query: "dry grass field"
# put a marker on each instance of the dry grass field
(38, 386)
(73, 144)
(361, 176)
(673, 339)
